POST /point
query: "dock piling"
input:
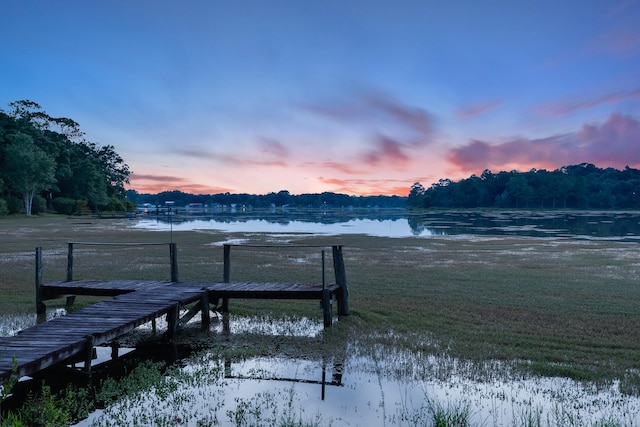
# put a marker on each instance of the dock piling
(40, 307)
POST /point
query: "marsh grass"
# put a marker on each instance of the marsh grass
(556, 306)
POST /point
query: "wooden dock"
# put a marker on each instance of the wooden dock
(136, 302)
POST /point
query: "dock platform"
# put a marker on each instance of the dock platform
(136, 302)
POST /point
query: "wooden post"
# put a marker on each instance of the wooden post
(70, 262)
(204, 311)
(114, 350)
(173, 315)
(70, 298)
(341, 280)
(173, 255)
(40, 307)
(226, 275)
(327, 310)
(88, 354)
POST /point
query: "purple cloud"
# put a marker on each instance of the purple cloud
(614, 143)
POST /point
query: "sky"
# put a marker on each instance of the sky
(348, 96)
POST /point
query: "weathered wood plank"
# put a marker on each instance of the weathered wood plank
(134, 303)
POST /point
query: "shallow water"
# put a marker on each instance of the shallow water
(351, 389)
(351, 386)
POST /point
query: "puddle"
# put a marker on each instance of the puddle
(11, 324)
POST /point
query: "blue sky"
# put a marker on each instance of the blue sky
(359, 97)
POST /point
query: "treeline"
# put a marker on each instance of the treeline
(46, 163)
(281, 198)
(582, 186)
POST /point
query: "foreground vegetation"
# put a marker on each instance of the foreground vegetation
(553, 307)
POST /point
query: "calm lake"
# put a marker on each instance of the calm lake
(401, 223)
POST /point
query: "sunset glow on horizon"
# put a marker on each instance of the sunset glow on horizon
(354, 97)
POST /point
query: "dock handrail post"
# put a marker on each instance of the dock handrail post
(70, 262)
(40, 307)
(173, 255)
(341, 280)
(226, 274)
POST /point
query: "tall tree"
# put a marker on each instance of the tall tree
(29, 169)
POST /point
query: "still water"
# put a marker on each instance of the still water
(351, 388)
(401, 223)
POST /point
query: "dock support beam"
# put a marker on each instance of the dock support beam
(173, 316)
(88, 354)
(341, 280)
(40, 307)
(205, 311)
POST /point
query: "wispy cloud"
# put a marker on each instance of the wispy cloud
(368, 187)
(565, 106)
(387, 151)
(475, 110)
(148, 183)
(347, 168)
(614, 143)
(274, 148)
(157, 178)
(619, 41)
(372, 109)
(228, 159)
(391, 129)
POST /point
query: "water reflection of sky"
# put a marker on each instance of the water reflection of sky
(371, 227)
(574, 224)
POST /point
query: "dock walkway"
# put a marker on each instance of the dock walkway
(134, 303)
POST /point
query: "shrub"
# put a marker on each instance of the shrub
(39, 205)
(82, 206)
(4, 209)
(64, 205)
(14, 204)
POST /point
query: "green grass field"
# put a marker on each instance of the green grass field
(556, 306)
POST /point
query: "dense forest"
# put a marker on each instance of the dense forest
(582, 186)
(281, 198)
(47, 164)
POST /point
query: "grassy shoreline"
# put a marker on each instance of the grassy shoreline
(563, 307)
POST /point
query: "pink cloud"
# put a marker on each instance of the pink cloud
(614, 143)
(156, 178)
(479, 109)
(620, 41)
(367, 187)
(148, 183)
(347, 168)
